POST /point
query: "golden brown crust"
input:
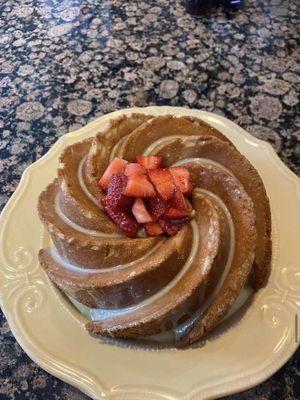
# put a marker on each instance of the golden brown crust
(241, 209)
(122, 287)
(168, 125)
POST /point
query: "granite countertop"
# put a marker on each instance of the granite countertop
(64, 63)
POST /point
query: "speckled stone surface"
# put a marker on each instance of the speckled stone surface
(63, 63)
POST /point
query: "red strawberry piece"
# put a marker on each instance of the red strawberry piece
(140, 211)
(178, 201)
(153, 229)
(121, 218)
(175, 213)
(134, 169)
(157, 207)
(168, 227)
(116, 188)
(126, 203)
(139, 186)
(115, 167)
(182, 179)
(163, 182)
(151, 162)
(180, 221)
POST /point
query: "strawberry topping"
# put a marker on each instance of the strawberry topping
(179, 221)
(122, 219)
(140, 211)
(168, 227)
(151, 162)
(115, 167)
(116, 188)
(163, 182)
(143, 193)
(139, 186)
(134, 169)
(153, 229)
(175, 213)
(157, 207)
(182, 179)
(178, 201)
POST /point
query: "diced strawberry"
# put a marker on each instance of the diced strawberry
(182, 179)
(153, 229)
(134, 169)
(163, 182)
(151, 162)
(126, 203)
(122, 219)
(115, 167)
(140, 211)
(175, 213)
(178, 201)
(157, 207)
(168, 227)
(116, 188)
(139, 186)
(180, 221)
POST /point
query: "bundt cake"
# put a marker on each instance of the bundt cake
(168, 269)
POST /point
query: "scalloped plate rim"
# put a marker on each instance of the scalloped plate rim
(242, 383)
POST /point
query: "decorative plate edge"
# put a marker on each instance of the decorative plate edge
(95, 390)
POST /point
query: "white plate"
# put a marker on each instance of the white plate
(52, 332)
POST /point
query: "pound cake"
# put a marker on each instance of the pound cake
(157, 223)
